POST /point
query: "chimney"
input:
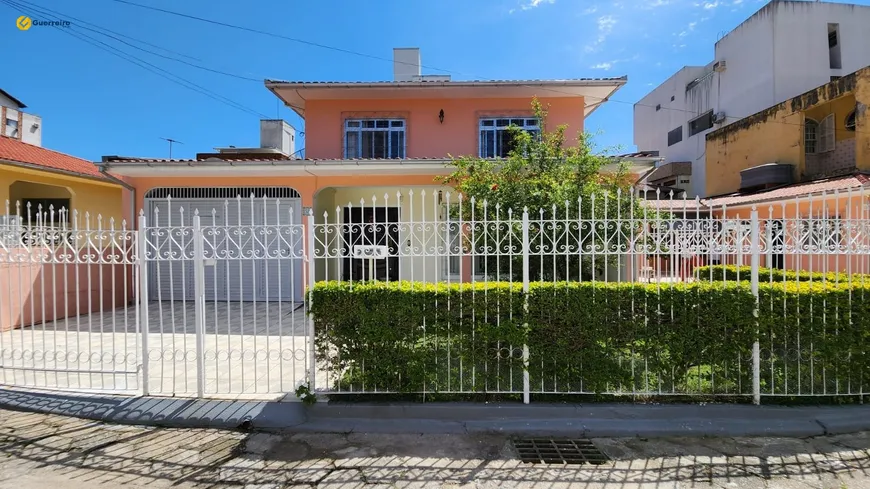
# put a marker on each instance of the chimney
(278, 135)
(406, 64)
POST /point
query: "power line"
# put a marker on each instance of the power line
(369, 56)
(82, 24)
(275, 35)
(145, 65)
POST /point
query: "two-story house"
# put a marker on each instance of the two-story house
(373, 151)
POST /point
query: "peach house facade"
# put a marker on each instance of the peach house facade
(379, 143)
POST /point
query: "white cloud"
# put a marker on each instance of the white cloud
(607, 65)
(605, 28)
(534, 3)
(590, 10)
(711, 5)
(689, 29)
(656, 3)
(605, 24)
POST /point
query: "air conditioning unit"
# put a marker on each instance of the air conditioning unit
(719, 117)
(719, 66)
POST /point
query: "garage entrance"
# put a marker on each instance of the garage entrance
(252, 243)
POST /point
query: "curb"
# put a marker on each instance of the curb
(544, 420)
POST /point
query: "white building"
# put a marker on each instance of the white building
(14, 123)
(783, 50)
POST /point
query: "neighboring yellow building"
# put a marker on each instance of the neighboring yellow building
(820, 134)
(39, 176)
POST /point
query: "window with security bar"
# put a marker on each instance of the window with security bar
(374, 138)
(497, 141)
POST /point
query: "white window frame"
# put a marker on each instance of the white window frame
(811, 136)
(395, 128)
(498, 124)
(12, 127)
(827, 135)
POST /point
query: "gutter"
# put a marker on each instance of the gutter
(304, 167)
(450, 84)
(57, 171)
(115, 179)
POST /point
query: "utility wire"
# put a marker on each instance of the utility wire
(143, 64)
(82, 24)
(302, 41)
(272, 34)
(369, 56)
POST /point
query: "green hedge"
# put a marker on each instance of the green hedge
(734, 272)
(814, 337)
(590, 337)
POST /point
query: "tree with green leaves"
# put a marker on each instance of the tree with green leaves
(563, 188)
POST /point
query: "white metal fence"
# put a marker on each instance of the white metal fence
(195, 301)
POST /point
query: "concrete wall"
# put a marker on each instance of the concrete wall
(425, 136)
(32, 293)
(778, 53)
(31, 129)
(651, 126)
(776, 134)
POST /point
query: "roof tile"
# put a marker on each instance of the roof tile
(16, 151)
(803, 189)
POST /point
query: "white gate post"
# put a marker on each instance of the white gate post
(142, 270)
(526, 380)
(309, 235)
(756, 345)
(199, 302)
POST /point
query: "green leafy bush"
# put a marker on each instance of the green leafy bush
(814, 337)
(637, 337)
(587, 337)
(418, 337)
(734, 272)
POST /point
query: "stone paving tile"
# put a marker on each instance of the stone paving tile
(97, 455)
(250, 349)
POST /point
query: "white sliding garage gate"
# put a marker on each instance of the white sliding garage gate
(252, 243)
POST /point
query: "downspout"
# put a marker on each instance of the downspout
(132, 189)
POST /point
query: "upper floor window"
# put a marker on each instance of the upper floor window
(850, 121)
(374, 138)
(675, 136)
(819, 137)
(12, 128)
(811, 131)
(701, 123)
(496, 141)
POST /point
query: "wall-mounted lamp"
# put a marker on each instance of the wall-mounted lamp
(441, 116)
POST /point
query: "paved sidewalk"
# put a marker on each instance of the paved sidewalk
(38, 450)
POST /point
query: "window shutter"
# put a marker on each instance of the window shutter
(827, 136)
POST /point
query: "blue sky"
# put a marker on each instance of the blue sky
(94, 103)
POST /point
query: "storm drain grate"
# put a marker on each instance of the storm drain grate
(558, 451)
